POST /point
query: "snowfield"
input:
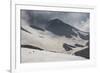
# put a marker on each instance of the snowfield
(51, 44)
(32, 55)
(49, 41)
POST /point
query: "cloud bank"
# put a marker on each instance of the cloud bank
(40, 18)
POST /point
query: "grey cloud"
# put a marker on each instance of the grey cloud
(41, 18)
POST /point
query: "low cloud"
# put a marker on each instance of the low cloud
(41, 18)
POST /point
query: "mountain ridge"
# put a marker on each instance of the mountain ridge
(60, 28)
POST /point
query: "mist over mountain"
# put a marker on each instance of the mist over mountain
(40, 18)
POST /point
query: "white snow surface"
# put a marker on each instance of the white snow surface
(32, 55)
(49, 42)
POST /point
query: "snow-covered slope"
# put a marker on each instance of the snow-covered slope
(49, 41)
(32, 55)
(66, 43)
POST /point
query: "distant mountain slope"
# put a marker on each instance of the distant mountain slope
(60, 28)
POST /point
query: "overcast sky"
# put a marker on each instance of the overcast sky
(40, 18)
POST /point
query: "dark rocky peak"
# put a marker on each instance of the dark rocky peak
(60, 28)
